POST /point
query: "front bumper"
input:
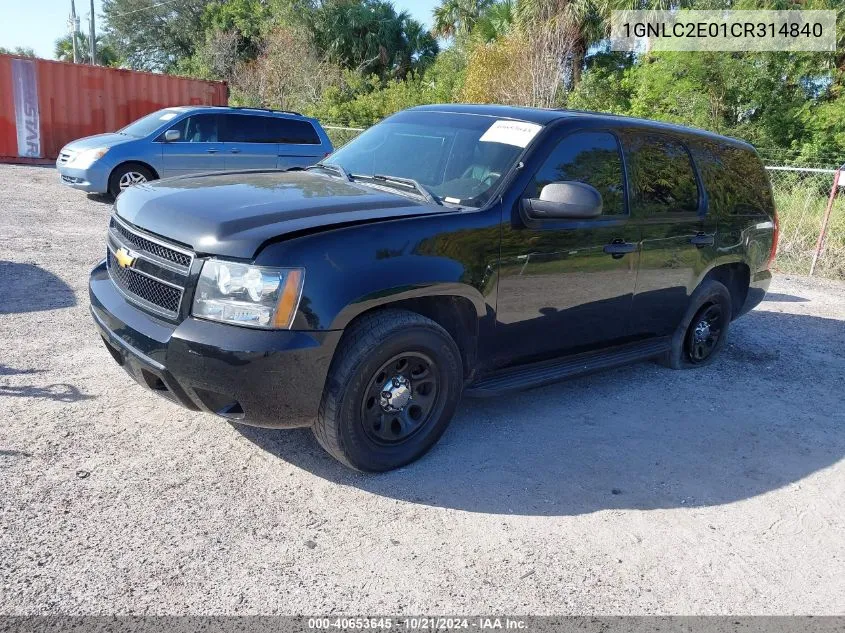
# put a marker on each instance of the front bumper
(258, 377)
(95, 179)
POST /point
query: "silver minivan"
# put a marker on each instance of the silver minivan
(191, 140)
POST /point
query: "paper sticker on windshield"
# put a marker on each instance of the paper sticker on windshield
(167, 117)
(517, 133)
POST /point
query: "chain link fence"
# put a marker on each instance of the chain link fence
(804, 196)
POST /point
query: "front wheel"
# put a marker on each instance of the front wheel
(127, 175)
(391, 391)
(703, 332)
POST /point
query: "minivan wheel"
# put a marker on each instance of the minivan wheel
(127, 175)
(391, 391)
(703, 332)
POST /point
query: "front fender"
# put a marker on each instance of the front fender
(402, 293)
(354, 269)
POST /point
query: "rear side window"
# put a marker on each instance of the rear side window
(734, 178)
(661, 174)
(242, 128)
(292, 131)
(589, 157)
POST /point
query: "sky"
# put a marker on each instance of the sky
(39, 23)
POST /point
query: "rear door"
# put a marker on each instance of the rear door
(668, 204)
(198, 149)
(566, 285)
(249, 142)
(299, 143)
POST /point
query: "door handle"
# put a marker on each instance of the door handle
(235, 150)
(702, 239)
(618, 248)
(212, 150)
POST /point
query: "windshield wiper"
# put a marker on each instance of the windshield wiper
(409, 182)
(340, 171)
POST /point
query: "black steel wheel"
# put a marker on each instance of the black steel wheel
(400, 398)
(704, 333)
(392, 388)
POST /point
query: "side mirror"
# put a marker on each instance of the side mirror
(564, 200)
(172, 135)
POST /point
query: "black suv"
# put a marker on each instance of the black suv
(450, 249)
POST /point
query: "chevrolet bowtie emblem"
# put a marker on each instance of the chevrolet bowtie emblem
(124, 257)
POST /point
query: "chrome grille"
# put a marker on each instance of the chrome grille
(154, 248)
(149, 290)
(157, 276)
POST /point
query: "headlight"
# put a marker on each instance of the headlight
(86, 158)
(242, 294)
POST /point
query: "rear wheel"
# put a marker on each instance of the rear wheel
(391, 391)
(127, 175)
(703, 332)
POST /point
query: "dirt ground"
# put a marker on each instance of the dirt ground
(640, 490)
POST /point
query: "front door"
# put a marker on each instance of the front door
(567, 285)
(677, 237)
(198, 149)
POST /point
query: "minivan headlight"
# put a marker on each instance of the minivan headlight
(243, 294)
(87, 157)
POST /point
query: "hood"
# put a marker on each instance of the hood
(232, 214)
(98, 140)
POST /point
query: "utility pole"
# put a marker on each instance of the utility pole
(73, 25)
(92, 44)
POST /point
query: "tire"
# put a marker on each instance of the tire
(389, 360)
(694, 344)
(128, 171)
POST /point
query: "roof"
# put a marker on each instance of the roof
(194, 108)
(543, 116)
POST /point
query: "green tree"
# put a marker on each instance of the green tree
(457, 18)
(20, 51)
(63, 51)
(369, 36)
(155, 35)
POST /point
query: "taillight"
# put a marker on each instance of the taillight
(775, 235)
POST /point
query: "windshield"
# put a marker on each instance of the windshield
(150, 123)
(457, 157)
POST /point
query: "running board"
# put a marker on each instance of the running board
(548, 372)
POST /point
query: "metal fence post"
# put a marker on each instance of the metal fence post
(826, 218)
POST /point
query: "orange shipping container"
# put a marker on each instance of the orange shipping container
(46, 104)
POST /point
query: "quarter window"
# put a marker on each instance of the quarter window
(662, 175)
(589, 157)
(292, 131)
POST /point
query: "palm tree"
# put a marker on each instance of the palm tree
(64, 50)
(456, 18)
(496, 21)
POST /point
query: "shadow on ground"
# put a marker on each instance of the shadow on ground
(641, 437)
(783, 298)
(30, 288)
(60, 392)
(102, 198)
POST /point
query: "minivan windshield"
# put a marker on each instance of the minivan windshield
(457, 157)
(148, 124)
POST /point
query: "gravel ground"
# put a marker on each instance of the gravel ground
(640, 490)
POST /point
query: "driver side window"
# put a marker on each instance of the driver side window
(593, 158)
(200, 128)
